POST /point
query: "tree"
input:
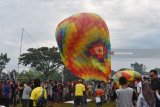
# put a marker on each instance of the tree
(112, 72)
(68, 75)
(138, 67)
(3, 62)
(123, 69)
(13, 74)
(158, 70)
(43, 59)
(4, 76)
(27, 75)
(55, 76)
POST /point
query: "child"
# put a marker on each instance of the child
(98, 96)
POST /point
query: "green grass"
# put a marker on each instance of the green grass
(90, 104)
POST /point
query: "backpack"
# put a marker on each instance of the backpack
(41, 102)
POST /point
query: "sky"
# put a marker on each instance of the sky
(133, 24)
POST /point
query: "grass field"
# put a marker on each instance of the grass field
(90, 104)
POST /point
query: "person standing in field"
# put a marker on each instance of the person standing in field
(155, 85)
(125, 95)
(98, 96)
(79, 93)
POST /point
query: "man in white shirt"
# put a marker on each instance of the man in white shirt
(125, 94)
(26, 95)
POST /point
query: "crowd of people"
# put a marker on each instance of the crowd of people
(143, 93)
(17, 92)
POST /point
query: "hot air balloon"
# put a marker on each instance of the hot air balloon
(84, 45)
(130, 76)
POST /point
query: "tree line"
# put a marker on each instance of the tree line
(44, 63)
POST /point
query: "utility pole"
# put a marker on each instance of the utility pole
(20, 46)
(62, 69)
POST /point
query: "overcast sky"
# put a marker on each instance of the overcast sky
(133, 24)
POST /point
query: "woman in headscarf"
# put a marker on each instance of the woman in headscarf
(146, 98)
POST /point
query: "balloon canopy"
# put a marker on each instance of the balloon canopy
(130, 76)
(84, 45)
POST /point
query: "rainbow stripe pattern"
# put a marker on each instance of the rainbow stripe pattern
(84, 45)
(130, 75)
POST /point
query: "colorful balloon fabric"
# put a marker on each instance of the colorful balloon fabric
(84, 45)
(130, 75)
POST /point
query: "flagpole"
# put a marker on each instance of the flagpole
(20, 46)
